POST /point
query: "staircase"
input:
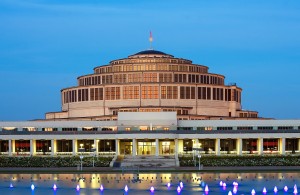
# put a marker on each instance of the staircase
(148, 161)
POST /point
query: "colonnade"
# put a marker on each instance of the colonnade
(156, 146)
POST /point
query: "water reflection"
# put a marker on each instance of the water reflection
(162, 183)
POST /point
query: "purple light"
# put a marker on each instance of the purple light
(235, 183)
(275, 189)
(221, 183)
(178, 189)
(295, 186)
(168, 185)
(101, 188)
(181, 184)
(234, 190)
(77, 187)
(229, 193)
(295, 191)
(253, 192)
(206, 188)
(224, 186)
(32, 187)
(11, 186)
(54, 187)
(126, 188)
(264, 190)
(152, 189)
(285, 188)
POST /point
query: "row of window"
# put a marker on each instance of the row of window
(207, 145)
(151, 67)
(179, 112)
(150, 78)
(152, 92)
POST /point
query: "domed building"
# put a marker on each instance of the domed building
(150, 107)
(152, 81)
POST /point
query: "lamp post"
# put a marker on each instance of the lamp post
(81, 150)
(199, 156)
(93, 149)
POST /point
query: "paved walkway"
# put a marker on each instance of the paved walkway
(154, 169)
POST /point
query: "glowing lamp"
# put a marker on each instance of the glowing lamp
(178, 189)
(126, 188)
(264, 190)
(152, 189)
(206, 188)
(181, 184)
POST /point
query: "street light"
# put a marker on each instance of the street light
(199, 156)
(81, 149)
(93, 150)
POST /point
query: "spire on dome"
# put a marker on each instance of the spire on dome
(151, 40)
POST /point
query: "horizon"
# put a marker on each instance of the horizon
(46, 45)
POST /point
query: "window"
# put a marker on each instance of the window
(244, 128)
(265, 128)
(224, 128)
(187, 92)
(131, 92)
(112, 93)
(149, 92)
(285, 127)
(69, 129)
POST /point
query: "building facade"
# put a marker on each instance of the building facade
(151, 81)
(150, 104)
(146, 134)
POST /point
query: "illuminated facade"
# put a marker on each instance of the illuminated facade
(151, 81)
(151, 104)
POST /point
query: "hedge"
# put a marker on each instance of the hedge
(219, 161)
(53, 161)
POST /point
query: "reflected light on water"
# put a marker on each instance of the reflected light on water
(115, 183)
(178, 189)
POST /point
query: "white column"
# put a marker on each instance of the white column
(217, 147)
(260, 146)
(74, 143)
(10, 147)
(32, 147)
(196, 144)
(176, 148)
(53, 147)
(239, 146)
(133, 147)
(282, 146)
(117, 147)
(96, 145)
(13, 146)
(157, 147)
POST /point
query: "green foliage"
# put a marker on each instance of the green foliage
(219, 161)
(53, 161)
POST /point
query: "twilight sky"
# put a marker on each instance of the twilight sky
(46, 44)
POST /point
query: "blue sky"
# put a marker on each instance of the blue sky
(46, 44)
